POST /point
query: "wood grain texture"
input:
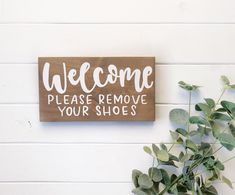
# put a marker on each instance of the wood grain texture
(108, 11)
(123, 89)
(167, 76)
(194, 43)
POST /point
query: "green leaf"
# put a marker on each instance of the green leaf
(210, 102)
(187, 87)
(168, 163)
(198, 120)
(227, 181)
(179, 116)
(232, 86)
(174, 135)
(229, 106)
(180, 140)
(182, 132)
(135, 175)
(204, 108)
(163, 146)
(227, 140)
(147, 150)
(232, 127)
(155, 174)
(233, 112)
(225, 80)
(145, 182)
(173, 158)
(165, 178)
(221, 110)
(155, 149)
(162, 155)
(204, 146)
(138, 191)
(219, 165)
(185, 157)
(192, 146)
(209, 190)
(181, 156)
(220, 116)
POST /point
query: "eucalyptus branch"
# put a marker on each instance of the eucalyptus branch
(192, 156)
(223, 91)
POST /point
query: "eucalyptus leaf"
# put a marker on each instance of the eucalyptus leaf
(233, 112)
(220, 116)
(155, 149)
(163, 146)
(147, 150)
(168, 163)
(210, 102)
(219, 165)
(162, 155)
(192, 146)
(227, 140)
(179, 116)
(221, 110)
(173, 158)
(138, 191)
(198, 120)
(180, 140)
(227, 181)
(185, 157)
(174, 135)
(225, 80)
(155, 174)
(232, 127)
(229, 106)
(209, 190)
(182, 132)
(135, 175)
(188, 87)
(181, 156)
(145, 182)
(165, 177)
(204, 108)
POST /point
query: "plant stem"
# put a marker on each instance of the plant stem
(229, 159)
(189, 112)
(171, 185)
(171, 147)
(218, 149)
(221, 96)
(152, 167)
(189, 108)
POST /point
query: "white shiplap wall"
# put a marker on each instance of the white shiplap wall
(193, 40)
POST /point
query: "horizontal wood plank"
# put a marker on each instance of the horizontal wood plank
(19, 82)
(78, 162)
(20, 124)
(122, 11)
(53, 188)
(168, 43)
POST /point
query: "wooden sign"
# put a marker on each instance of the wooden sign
(97, 88)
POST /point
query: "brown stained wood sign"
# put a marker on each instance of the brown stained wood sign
(97, 88)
